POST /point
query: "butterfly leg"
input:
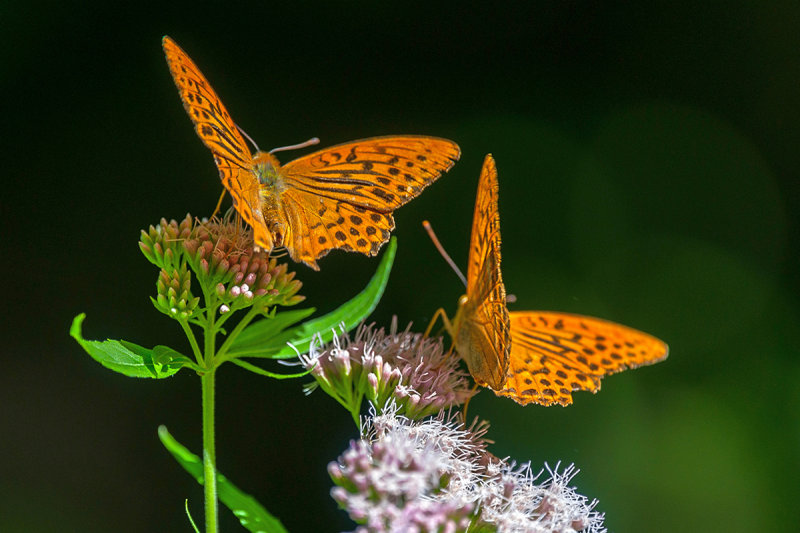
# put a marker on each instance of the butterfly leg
(466, 404)
(219, 204)
(447, 325)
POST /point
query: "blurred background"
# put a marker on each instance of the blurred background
(648, 163)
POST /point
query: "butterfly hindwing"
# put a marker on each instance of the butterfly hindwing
(554, 354)
(318, 225)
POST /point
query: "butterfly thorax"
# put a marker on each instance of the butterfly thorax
(268, 173)
(458, 321)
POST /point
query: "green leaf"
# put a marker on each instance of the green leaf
(128, 358)
(275, 346)
(260, 371)
(164, 355)
(269, 327)
(250, 513)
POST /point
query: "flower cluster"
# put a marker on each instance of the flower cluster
(220, 253)
(162, 245)
(405, 367)
(436, 475)
(174, 295)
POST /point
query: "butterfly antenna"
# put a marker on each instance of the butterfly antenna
(311, 142)
(248, 138)
(432, 235)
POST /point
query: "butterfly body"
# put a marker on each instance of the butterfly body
(342, 197)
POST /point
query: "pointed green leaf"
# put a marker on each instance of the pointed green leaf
(253, 336)
(250, 513)
(350, 314)
(128, 358)
(260, 371)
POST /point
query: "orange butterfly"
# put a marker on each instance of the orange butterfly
(532, 356)
(339, 197)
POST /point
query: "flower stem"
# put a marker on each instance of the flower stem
(209, 453)
(243, 323)
(193, 341)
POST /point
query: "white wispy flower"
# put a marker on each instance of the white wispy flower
(436, 475)
(514, 502)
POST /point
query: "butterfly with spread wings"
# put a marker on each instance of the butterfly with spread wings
(532, 356)
(340, 197)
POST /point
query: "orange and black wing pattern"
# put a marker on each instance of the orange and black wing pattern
(344, 196)
(220, 134)
(554, 354)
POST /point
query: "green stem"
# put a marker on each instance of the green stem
(209, 452)
(356, 418)
(209, 445)
(243, 323)
(192, 341)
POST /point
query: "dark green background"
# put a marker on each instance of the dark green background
(648, 161)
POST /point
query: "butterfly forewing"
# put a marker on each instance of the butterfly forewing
(380, 173)
(554, 354)
(213, 123)
(219, 133)
(482, 338)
